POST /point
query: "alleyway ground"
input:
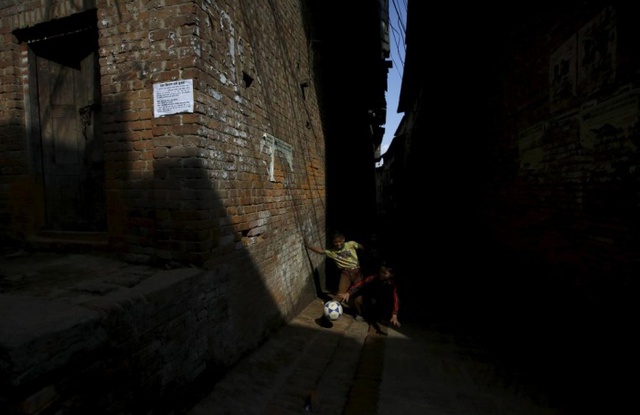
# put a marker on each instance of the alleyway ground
(423, 367)
(412, 370)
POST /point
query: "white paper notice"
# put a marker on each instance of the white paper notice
(172, 97)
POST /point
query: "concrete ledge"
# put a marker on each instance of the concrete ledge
(109, 344)
(39, 336)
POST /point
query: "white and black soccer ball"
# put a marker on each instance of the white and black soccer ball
(332, 310)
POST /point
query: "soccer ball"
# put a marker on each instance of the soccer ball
(332, 310)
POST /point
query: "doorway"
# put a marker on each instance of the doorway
(64, 66)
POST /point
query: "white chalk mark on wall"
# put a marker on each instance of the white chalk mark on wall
(270, 144)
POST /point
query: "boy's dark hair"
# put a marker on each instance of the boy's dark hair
(386, 263)
(336, 234)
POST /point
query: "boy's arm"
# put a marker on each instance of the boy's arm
(396, 300)
(313, 248)
(356, 286)
(396, 307)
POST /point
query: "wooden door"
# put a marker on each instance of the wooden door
(72, 162)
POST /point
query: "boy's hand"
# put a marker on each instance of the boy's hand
(394, 320)
(344, 297)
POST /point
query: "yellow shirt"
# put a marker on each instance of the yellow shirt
(347, 257)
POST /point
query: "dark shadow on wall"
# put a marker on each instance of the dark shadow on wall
(565, 319)
(17, 198)
(577, 341)
(168, 217)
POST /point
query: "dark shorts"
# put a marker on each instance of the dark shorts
(354, 274)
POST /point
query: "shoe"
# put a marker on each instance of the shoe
(358, 317)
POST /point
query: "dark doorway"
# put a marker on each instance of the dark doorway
(65, 69)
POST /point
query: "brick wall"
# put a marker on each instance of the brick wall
(198, 182)
(189, 187)
(229, 187)
(192, 186)
(566, 194)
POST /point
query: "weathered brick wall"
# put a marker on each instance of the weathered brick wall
(14, 202)
(566, 193)
(194, 186)
(230, 187)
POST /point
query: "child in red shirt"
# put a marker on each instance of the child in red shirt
(376, 297)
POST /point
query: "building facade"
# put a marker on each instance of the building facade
(516, 169)
(191, 133)
(176, 132)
